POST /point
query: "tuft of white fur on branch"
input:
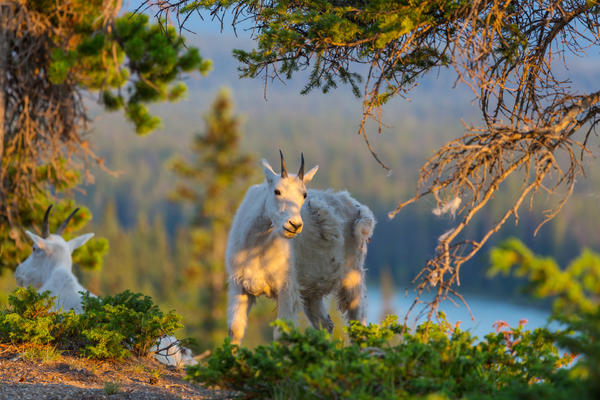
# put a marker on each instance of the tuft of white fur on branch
(297, 246)
(449, 207)
(49, 268)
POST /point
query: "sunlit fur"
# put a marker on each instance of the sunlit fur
(49, 268)
(267, 255)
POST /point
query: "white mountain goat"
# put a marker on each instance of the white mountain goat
(297, 246)
(49, 268)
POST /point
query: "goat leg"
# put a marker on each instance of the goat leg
(240, 303)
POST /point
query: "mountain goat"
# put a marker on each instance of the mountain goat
(297, 246)
(49, 268)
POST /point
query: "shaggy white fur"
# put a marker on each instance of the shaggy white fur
(297, 246)
(49, 268)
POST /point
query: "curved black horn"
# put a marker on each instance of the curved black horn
(45, 227)
(62, 226)
(284, 173)
(301, 172)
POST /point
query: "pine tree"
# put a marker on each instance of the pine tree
(214, 183)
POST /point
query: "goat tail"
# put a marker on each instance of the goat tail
(364, 224)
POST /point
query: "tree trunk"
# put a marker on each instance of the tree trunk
(5, 15)
(3, 61)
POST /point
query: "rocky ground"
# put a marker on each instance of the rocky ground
(35, 372)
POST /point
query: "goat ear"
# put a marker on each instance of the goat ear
(308, 176)
(38, 240)
(79, 241)
(269, 173)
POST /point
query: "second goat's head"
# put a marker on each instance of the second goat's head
(50, 251)
(286, 196)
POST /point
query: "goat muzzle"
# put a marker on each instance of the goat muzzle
(291, 229)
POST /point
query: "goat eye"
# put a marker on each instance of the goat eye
(277, 192)
(304, 195)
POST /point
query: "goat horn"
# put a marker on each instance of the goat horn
(284, 173)
(45, 227)
(62, 226)
(301, 172)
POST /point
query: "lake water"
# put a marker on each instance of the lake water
(485, 310)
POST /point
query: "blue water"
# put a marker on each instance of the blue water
(486, 311)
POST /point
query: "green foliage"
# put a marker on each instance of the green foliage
(387, 361)
(155, 59)
(30, 319)
(136, 319)
(132, 63)
(407, 38)
(435, 359)
(110, 327)
(575, 288)
(583, 338)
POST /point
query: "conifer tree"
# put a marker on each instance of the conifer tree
(52, 53)
(214, 183)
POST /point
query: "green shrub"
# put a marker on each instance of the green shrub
(110, 327)
(29, 319)
(435, 360)
(127, 317)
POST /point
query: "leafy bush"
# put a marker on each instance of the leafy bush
(110, 327)
(126, 318)
(435, 360)
(29, 320)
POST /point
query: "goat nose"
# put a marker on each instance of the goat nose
(297, 225)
